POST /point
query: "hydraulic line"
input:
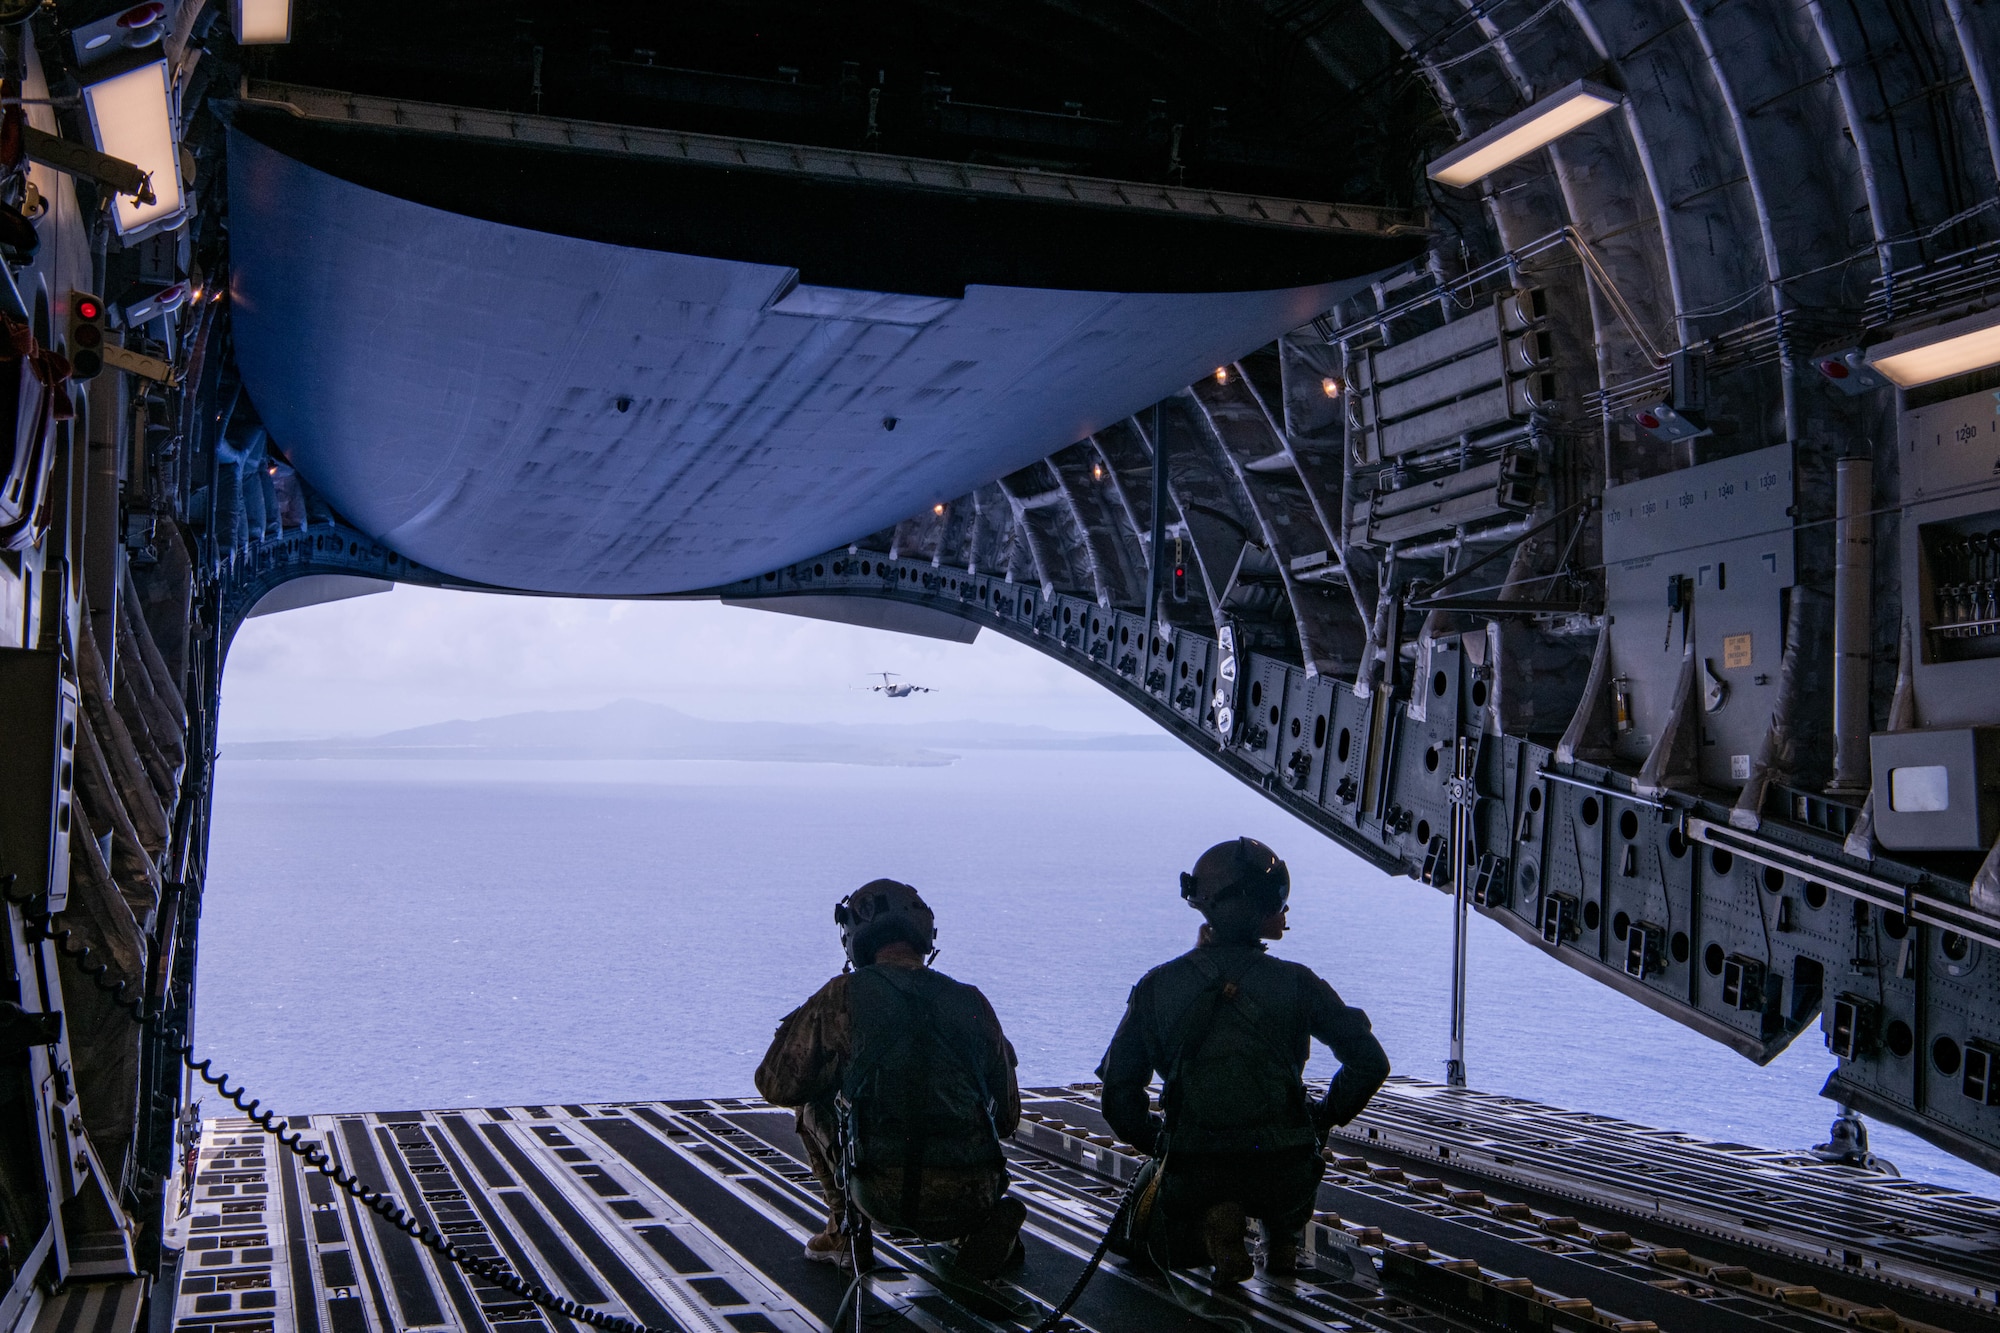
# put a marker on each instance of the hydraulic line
(383, 1205)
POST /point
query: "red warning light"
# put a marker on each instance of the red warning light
(1833, 370)
(86, 335)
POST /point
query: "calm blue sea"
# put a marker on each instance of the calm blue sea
(385, 935)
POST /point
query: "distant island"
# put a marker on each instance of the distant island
(634, 729)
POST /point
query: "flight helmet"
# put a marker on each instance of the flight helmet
(879, 912)
(1236, 885)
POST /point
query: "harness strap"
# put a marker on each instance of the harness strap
(914, 1145)
(923, 1033)
(1189, 1039)
(913, 1177)
(1192, 1034)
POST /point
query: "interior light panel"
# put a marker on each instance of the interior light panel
(1519, 135)
(132, 116)
(263, 22)
(1935, 354)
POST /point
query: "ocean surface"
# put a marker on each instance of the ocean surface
(400, 934)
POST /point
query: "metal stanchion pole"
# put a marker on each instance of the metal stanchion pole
(1461, 875)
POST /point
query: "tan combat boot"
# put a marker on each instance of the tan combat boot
(1222, 1233)
(830, 1246)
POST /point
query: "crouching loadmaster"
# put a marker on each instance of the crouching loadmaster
(904, 1081)
(1228, 1027)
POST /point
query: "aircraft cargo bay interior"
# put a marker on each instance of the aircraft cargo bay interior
(1548, 449)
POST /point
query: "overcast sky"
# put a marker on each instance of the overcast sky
(417, 655)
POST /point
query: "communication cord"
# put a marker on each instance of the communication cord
(1061, 1312)
(382, 1205)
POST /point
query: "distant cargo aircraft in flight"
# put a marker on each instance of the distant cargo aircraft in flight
(895, 689)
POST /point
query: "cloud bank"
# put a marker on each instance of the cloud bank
(420, 655)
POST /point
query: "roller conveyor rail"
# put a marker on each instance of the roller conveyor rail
(1442, 1210)
(1929, 1238)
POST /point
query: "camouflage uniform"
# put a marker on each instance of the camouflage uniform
(804, 1068)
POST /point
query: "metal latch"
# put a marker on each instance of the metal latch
(1714, 689)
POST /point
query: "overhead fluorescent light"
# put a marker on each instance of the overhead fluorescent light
(132, 116)
(263, 22)
(1967, 344)
(1519, 135)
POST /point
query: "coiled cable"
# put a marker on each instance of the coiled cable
(1060, 1312)
(382, 1205)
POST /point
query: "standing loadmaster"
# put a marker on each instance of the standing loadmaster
(1228, 1027)
(909, 1073)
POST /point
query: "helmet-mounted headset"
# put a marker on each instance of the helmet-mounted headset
(1241, 867)
(881, 912)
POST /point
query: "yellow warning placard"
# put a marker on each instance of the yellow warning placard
(1736, 650)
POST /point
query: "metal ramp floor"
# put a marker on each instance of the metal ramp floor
(1443, 1210)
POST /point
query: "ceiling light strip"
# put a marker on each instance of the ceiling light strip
(1524, 133)
(1957, 348)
